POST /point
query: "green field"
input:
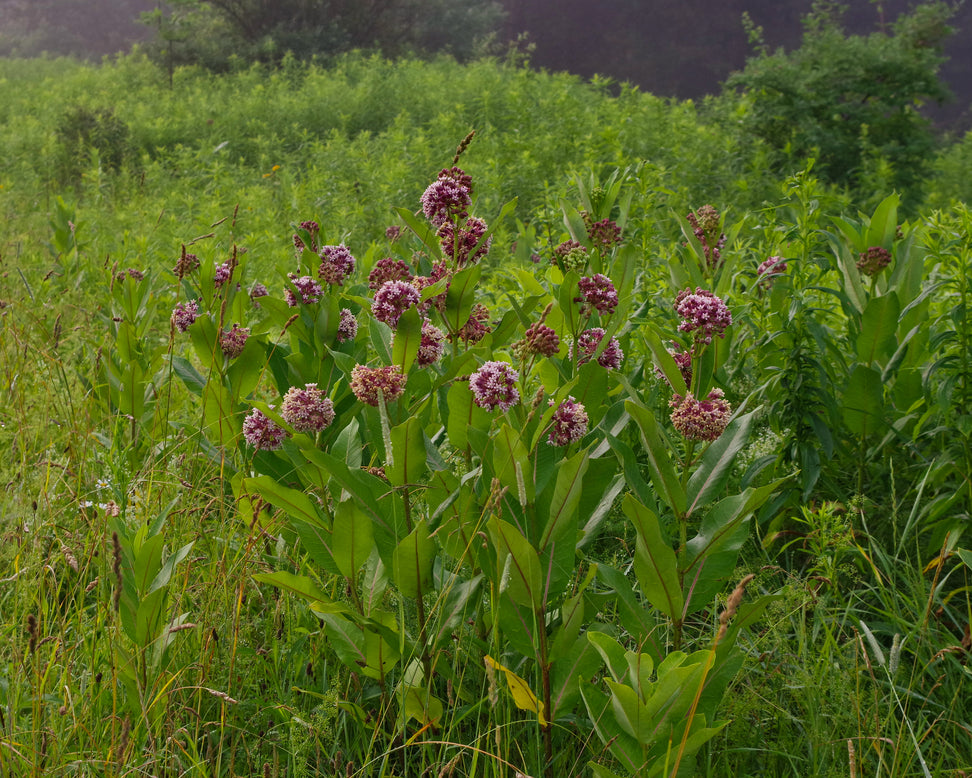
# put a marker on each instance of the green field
(544, 547)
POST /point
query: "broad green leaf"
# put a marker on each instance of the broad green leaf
(560, 508)
(716, 464)
(665, 361)
(412, 562)
(407, 339)
(612, 652)
(352, 538)
(567, 295)
(660, 465)
(164, 575)
(878, 324)
(464, 415)
(205, 341)
(511, 462)
(191, 377)
(295, 503)
(634, 617)
(409, 458)
(862, 403)
(579, 660)
(461, 296)
(623, 746)
(884, 223)
(422, 230)
(518, 573)
(421, 705)
(655, 562)
(300, 585)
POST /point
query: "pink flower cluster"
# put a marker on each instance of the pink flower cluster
(186, 264)
(232, 341)
(309, 290)
(768, 268)
(448, 197)
(388, 269)
(705, 225)
(184, 314)
(477, 326)
(569, 255)
(392, 300)
(222, 274)
(367, 382)
(568, 423)
(604, 233)
(432, 346)
(494, 386)
(598, 292)
(347, 327)
(701, 419)
(683, 359)
(261, 432)
(307, 409)
(874, 260)
(702, 313)
(337, 264)
(587, 343)
(540, 340)
(461, 245)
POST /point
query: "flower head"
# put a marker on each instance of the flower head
(263, 433)
(568, 423)
(598, 292)
(701, 419)
(393, 233)
(366, 382)
(309, 290)
(337, 264)
(570, 255)
(587, 343)
(186, 264)
(477, 326)
(461, 245)
(604, 233)
(768, 268)
(307, 409)
(448, 197)
(683, 359)
(705, 225)
(432, 346)
(258, 290)
(348, 326)
(222, 274)
(392, 300)
(232, 341)
(388, 269)
(185, 314)
(874, 260)
(702, 313)
(540, 340)
(440, 270)
(494, 386)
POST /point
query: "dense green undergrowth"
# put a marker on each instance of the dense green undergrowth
(573, 572)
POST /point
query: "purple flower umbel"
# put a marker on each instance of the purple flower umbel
(874, 260)
(392, 300)
(367, 381)
(185, 314)
(598, 292)
(232, 341)
(309, 290)
(307, 409)
(702, 313)
(263, 433)
(337, 264)
(494, 386)
(388, 269)
(461, 246)
(568, 423)
(348, 326)
(222, 274)
(701, 419)
(432, 346)
(587, 343)
(448, 197)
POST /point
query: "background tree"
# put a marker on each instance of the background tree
(850, 101)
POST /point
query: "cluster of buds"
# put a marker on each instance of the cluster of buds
(368, 382)
(597, 293)
(874, 260)
(432, 345)
(701, 419)
(539, 339)
(184, 314)
(186, 264)
(477, 326)
(464, 245)
(570, 255)
(705, 225)
(768, 269)
(388, 269)
(233, 340)
(587, 345)
(313, 229)
(604, 233)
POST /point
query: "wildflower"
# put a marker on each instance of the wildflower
(313, 229)
(348, 326)
(683, 359)
(568, 423)
(307, 409)
(494, 386)
(705, 225)
(702, 313)
(263, 433)
(598, 292)
(393, 233)
(447, 197)
(337, 264)
(588, 342)
(185, 264)
(540, 340)
(388, 269)
(570, 255)
(222, 274)
(185, 314)
(137, 275)
(257, 290)
(440, 270)
(604, 233)
(232, 341)
(769, 267)
(477, 326)
(309, 290)
(701, 420)
(366, 382)
(432, 346)
(874, 260)
(392, 300)
(461, 246)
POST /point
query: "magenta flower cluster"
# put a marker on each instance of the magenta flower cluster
(347, 327)
(598, 292)
(308, 289)
(388, 269)
(367, 382)
(448, 197)
(702, 313)
(568, 423)
(307, 409)
(701, 419)
(222, 274)
(337, 264)
(477, 326)
(262, 433)
(604, 233)
(392, 300)
(462, 245)
(588, 342)
(768, 268)
(233, 340)
(432, 346)
(705, 225)
(539, 340)
(874, 260)
(186, 264)
(184, 314)
(494, 386)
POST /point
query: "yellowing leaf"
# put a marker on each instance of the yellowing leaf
(523, 697)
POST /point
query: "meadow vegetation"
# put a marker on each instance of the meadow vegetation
(405, 418)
